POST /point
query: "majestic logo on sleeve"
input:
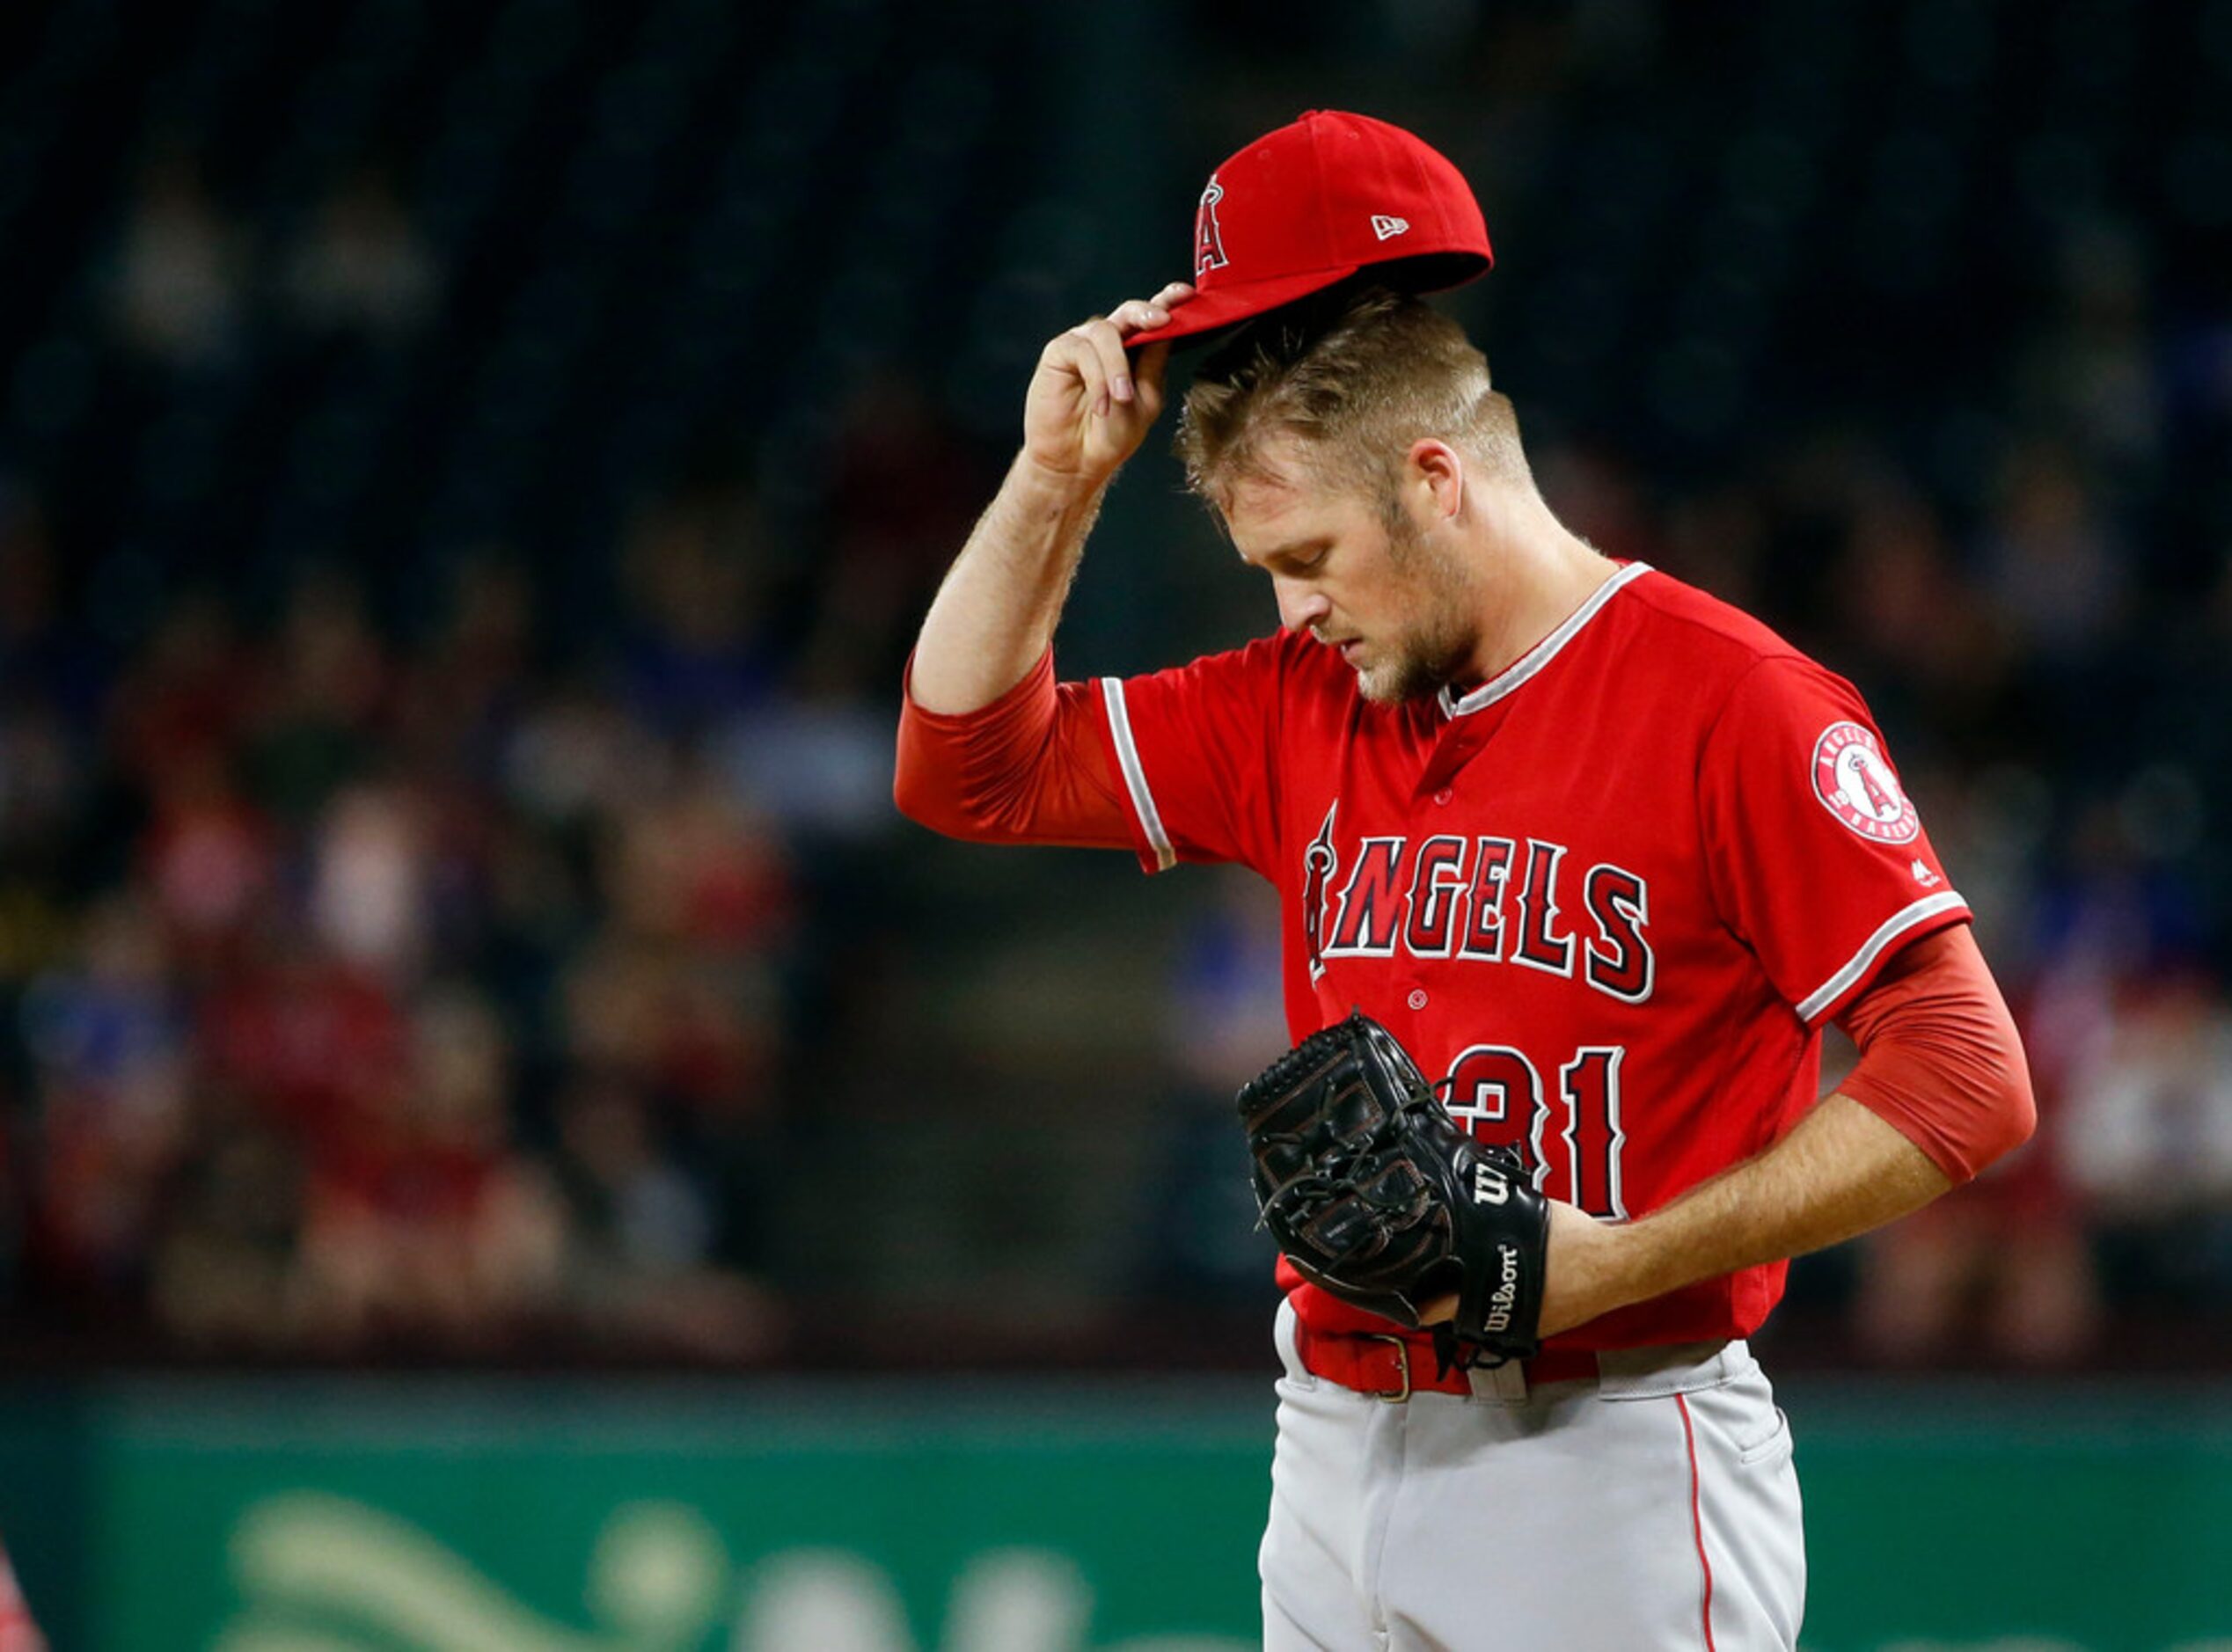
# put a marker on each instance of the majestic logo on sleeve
(1209, 236)
(1854, 781)
(1481, 898)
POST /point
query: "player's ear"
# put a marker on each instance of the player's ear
(1438, 470)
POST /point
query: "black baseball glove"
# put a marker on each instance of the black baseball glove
(1376, 1193)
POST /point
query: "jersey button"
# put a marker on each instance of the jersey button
(1444, 795)
(1417, 998)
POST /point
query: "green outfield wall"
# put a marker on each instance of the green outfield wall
(411, 1516)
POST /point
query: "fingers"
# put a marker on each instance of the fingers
(1094, 352)
(1139, 316)
(1133, 315)
(1105, 338)
(1095, 349)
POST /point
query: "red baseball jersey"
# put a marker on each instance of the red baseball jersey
(1612, 894)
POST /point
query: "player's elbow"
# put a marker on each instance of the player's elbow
(947, 822)
(2013, 1119)
(927, 798)
(1940, 1055)
(947, 776)
(935, 795)
(2003, 1112)
(2010, 1113)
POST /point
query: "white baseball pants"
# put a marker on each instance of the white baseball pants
(1654, 1509)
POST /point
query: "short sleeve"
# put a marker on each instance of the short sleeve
(1197, 749)
(1817, 859)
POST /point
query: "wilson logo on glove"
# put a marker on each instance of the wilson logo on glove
(1505, 1299)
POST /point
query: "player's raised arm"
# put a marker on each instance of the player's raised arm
(1088, 408)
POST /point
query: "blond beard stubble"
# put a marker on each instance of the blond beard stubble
(1427, 657)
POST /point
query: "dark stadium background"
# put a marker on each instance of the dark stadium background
(470, 473)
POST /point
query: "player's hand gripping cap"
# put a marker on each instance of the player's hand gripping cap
(1313, 203)
(1376, 1195)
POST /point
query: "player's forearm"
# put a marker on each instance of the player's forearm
(1843, 1172)
(996, 611)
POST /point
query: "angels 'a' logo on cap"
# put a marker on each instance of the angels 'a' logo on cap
(1209, 236)
(1854, 781)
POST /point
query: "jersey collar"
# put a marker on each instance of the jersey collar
(1543, 652)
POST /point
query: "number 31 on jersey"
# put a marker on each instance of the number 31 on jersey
(1574, 1136)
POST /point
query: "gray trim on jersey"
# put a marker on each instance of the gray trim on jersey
(1543, 652)
(1928, 907)
(1135, 778)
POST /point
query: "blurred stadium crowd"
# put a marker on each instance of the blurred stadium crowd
(469, 475)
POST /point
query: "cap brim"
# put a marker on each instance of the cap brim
(1222, 307)
(1227, 306)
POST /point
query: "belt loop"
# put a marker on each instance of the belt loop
(1505, 1382)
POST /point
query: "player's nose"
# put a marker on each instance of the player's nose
(1299, 608)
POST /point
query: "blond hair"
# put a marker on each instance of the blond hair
(1357, 376)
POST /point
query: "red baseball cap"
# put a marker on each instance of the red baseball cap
(1313, 203)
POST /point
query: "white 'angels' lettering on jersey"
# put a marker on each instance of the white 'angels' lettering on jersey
(1370, 903)
(1486, 899)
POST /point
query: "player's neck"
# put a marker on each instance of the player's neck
(1536, 574)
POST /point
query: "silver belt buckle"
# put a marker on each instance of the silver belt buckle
(1402, 1365)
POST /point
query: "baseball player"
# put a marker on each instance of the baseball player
(1604, 855)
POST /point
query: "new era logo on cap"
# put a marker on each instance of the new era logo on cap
(1287, 216)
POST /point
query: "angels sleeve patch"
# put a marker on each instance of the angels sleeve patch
(1855, 782)
(1820, 901)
